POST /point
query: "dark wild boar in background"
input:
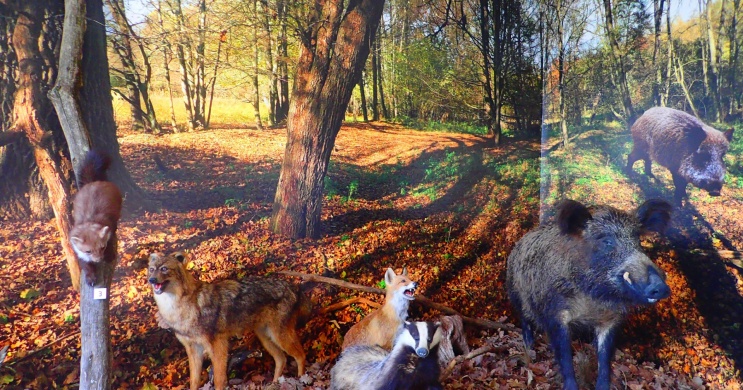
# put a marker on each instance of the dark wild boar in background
(691, 150)
(586, 270)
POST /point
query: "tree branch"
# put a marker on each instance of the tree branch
(479, 322)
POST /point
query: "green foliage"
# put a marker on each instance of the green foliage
(381, 284)
(30, 293)
(438, 126)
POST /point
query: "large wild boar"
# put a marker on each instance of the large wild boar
(691, 150)
(586, 270)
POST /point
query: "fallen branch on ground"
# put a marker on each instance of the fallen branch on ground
(36, 351)
(479, 322)
(348, 302)
(473, 354)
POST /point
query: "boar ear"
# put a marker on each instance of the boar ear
(654, 215)
(729, 134)
(179, 256)
(572, 216)
(388, 276)
(695, 135)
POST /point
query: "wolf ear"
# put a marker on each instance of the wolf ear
(654, 215)
(729, 134)
(388, 276)
(179, 256)
(572, 216)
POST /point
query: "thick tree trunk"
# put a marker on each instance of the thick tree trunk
(95, 98)
(30, 114)
(329, 66)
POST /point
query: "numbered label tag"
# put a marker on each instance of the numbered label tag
(99, 293)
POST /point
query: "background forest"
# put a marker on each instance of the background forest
(469, 121)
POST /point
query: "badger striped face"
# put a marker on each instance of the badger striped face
(422, 337)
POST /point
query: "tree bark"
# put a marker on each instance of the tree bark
(331, 59)
(98, 113)
(375, 77)
(282, 106)
(257, 93)
(30, 114)
(364, 110)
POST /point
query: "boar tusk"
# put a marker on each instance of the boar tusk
(626, 277)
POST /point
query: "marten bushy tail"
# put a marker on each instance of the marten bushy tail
(94, 167)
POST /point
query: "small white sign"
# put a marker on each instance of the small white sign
(99, 293)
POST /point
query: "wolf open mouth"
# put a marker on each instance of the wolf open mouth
(159, 287)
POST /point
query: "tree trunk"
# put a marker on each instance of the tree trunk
(375, 78)
(95, 98)
(167, 53)
(364, 111)
(713, 59)
(331, 59)
(733, 60)
(273, 97)
(485, 51)
(657, 19)
(181, 46)
(669, 61)
(378, 44)
(256, 89)
(29, 113)
(619, 60)
(282, 105)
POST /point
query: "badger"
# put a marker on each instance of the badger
(412, 363)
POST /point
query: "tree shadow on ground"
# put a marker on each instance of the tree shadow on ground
(716, 296)
(477, 230)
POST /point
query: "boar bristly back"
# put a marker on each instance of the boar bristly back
(692, 151)
(586, 269)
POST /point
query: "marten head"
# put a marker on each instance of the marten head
(89, 241)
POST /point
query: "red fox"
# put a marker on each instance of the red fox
(96, 209)
(380, 327)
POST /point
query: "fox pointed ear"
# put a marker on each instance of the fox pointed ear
(572, 216)
(179, 256)
(389, 275)
(76, 240)
(654, 215)
(154, 256)
(729, 134)
(405, 271)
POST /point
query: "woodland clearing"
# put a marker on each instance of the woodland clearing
(441, 204)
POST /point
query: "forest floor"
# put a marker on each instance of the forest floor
(442, 204)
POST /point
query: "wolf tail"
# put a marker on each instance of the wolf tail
(304, 303)
(93, 167)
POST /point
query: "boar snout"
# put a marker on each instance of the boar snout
(713, 187)
(651, 290)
